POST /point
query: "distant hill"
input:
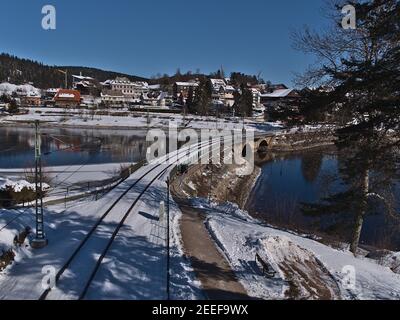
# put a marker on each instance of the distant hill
(19, 71)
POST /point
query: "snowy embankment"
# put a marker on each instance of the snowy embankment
(27, 89)
(73, 173)
(306, 269)
(74, 180)
(18, 186)
(116, 119)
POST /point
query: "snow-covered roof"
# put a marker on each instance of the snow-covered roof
(154, 87)
(82, 77)
(281, 93)
(219, 82)
(138, 84)
(66, 95)
(187, 84)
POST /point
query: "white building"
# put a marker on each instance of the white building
(222, 93)
(256, 98)
(127, 87)
(115, 98)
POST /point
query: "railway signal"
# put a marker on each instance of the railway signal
(40, 240)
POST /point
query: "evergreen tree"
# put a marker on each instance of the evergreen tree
(190, 101)
(202, 99)
(13, 107)
(243, 102)
(362, 67)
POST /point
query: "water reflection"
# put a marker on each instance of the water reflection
(290, 179)
(71, 146)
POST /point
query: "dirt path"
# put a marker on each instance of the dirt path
(214, 272)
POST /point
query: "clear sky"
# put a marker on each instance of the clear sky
(147, 37)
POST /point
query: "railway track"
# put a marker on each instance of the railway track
(94, 239)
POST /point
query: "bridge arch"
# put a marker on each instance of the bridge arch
(263, 146)
(248, 148)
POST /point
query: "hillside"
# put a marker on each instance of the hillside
(19, 71)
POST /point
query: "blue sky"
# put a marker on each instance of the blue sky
(158, 36)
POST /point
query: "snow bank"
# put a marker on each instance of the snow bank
(241, 237)
(18, 186)
(25, 89)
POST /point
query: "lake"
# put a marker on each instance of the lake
(71, 146)
(289, 179)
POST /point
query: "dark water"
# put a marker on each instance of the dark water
(288, 180)
(71, 146)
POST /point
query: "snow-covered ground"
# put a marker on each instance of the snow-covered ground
(71, 174)
(27, 89)
(135, 265)
(84, 118)
(134, 268)
(19, 185)
(68, 181)
(300, 262)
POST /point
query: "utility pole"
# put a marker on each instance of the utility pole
(40, 240)
(168, 245)
(66, 77)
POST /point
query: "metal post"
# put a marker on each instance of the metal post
(40, 239)
(168, 245)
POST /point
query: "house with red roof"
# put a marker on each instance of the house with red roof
(67, 98)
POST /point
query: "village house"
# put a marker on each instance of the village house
(31, 101)
(67, 98)
(280, 100)
(256, 97)
(181, 89)
(222, 93)
(127, 87)
(154, 99)
(86, 85)
(115, 98)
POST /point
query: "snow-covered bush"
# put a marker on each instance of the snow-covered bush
(16, 192)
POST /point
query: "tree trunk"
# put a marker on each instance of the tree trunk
(358, 224)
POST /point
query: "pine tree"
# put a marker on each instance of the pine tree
(243, 102)
(362, 67)
(190, 101)
(202, 99)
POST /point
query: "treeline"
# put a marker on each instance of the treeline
(19, 71)
(200, 102)
(237, 78)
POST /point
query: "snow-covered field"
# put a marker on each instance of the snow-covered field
(84, 118)
(300, 262)
(72, 174)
